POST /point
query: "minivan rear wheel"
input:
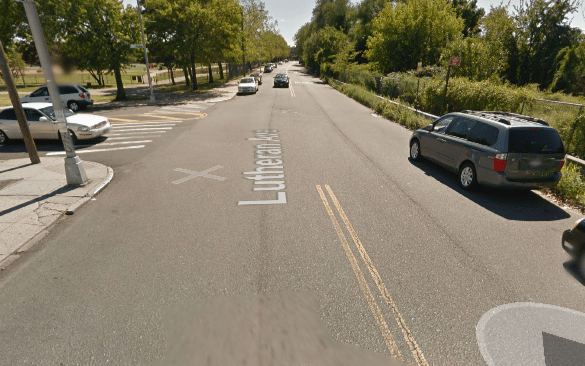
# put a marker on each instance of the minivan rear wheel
(581, 264)
(73, 105)
(467, 176)
(415, 150)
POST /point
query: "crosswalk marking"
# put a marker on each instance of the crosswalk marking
(115, 143)
(133, 133)
(142, 125)
(145, 129)
(129, 137)
(97, 150)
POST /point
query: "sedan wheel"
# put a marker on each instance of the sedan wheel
(3, 138)
(467, 176)
(415, 150)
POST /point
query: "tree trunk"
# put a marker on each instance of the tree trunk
(220, 71)
(194, 75)
(210, 73)
(229, 69)
(121, 93)
(186, 75)
(172, 76)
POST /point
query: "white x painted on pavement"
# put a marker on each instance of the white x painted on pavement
(198, 174)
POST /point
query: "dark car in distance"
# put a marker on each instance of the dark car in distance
(497, 149)
(281, 80)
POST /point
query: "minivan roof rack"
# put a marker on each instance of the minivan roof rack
(518, 117)
(488, 115)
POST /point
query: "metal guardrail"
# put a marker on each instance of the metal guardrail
(571, 158)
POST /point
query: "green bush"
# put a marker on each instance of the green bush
(571, 186)
(482, 96)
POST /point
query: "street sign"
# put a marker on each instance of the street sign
(455, 61)
(136, 46)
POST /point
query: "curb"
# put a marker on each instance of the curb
(29, 244)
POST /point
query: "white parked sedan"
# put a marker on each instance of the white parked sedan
(43, 125)
(248, 85)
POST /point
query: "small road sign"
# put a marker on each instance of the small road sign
(455, 61)
(136, 46)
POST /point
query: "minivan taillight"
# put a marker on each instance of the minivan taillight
(562, 163)
(82, 95)
(500, 161)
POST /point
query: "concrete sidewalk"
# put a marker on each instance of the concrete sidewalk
(34, 196)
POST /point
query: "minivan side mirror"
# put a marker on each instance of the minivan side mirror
(428, 128)
(43, 119)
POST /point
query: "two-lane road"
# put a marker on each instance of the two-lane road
(285, 192)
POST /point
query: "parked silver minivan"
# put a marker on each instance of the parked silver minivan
(498, 149)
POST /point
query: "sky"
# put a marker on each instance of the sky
(292, 14)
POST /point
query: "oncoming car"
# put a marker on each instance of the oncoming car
(248, 85)
(497, 149)
(281, 80)
(43, 124)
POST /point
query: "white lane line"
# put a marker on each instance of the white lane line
(145, 122)
(132, 133)
(292, 91)
(142, 125)
(115, 143)
(129, 137)
(177, 111)
(97, 150)
(146, 129)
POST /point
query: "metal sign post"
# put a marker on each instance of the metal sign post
(152, 100)
(74, 169)
(453, 61)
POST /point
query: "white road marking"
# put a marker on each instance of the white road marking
(132, 133)
(97, 150)
(292, 91)
(115, 143)
(198, 174)
(145, 122)
(130, 137)
(143, 125)
(146, 129)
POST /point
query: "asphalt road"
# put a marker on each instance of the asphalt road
(365, 249)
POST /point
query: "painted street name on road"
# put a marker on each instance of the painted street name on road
(269, 174)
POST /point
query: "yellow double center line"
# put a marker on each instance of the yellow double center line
(412, 344)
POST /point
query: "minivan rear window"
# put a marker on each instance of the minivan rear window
(535, 141)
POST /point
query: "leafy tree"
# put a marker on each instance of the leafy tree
(544, 31)
(332, 13)
(471, 15)
(99, 35)
(411, 32)
(480, 58)
(570, 75)
(499, 28)
(367, 10)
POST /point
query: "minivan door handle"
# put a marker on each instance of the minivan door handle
(441, 139)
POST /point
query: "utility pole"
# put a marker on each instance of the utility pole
(74, 169)
(31, 148)
(152, 100)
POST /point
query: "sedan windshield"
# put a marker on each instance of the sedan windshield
(51, 113)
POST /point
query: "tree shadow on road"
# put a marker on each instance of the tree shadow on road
(519, 205)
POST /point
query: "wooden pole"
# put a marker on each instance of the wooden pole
(31, 148)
